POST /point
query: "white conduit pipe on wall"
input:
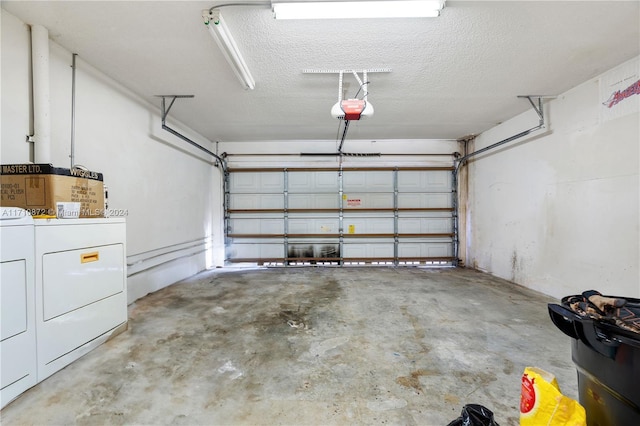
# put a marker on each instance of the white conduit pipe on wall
(41, 95)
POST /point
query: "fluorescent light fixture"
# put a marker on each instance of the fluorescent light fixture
(220, 33)
(357, 9)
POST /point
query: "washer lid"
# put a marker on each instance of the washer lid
(14, 216)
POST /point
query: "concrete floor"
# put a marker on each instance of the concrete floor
(311, 346)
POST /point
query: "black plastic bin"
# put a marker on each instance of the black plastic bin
(607, 358)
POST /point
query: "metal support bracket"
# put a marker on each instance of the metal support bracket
(541, 123)
(165, 110)
(165, 113)
(537, 109)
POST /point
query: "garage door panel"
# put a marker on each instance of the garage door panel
(410, 181)
(360, 225)
(367, 200)
(313, 182)
(439, 250)
(440, 180)
(256, 182)
(368, 181)
(368, 250)
(256, 251)
(326, 181)
(328, 249)
(424, 181)
(256, 201)
(244, 182)
(314, 201)
(256, 226)
(424, 200)
(424, 225)
(314, 226)
(432, 249)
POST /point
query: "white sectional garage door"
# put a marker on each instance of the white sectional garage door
(340, 216)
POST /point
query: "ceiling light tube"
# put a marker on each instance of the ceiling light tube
(222, 36)
(357, 9)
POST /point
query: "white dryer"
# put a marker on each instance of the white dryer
(17, 304)
(81, 287)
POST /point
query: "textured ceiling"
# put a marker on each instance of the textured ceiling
(452, 76)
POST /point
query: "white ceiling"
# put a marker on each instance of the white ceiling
(452, 76)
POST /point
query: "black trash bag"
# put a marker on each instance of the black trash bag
(474, 415)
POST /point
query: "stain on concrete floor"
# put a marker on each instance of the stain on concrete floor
(311, 346)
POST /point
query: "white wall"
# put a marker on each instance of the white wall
(169, 190)
(558, 211)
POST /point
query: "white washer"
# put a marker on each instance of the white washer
(81, 287)
(17, 304)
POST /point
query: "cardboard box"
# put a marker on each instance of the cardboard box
(38, 187)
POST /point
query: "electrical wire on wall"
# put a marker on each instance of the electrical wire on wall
(344, 135)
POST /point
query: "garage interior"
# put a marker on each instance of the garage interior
(290, 261)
